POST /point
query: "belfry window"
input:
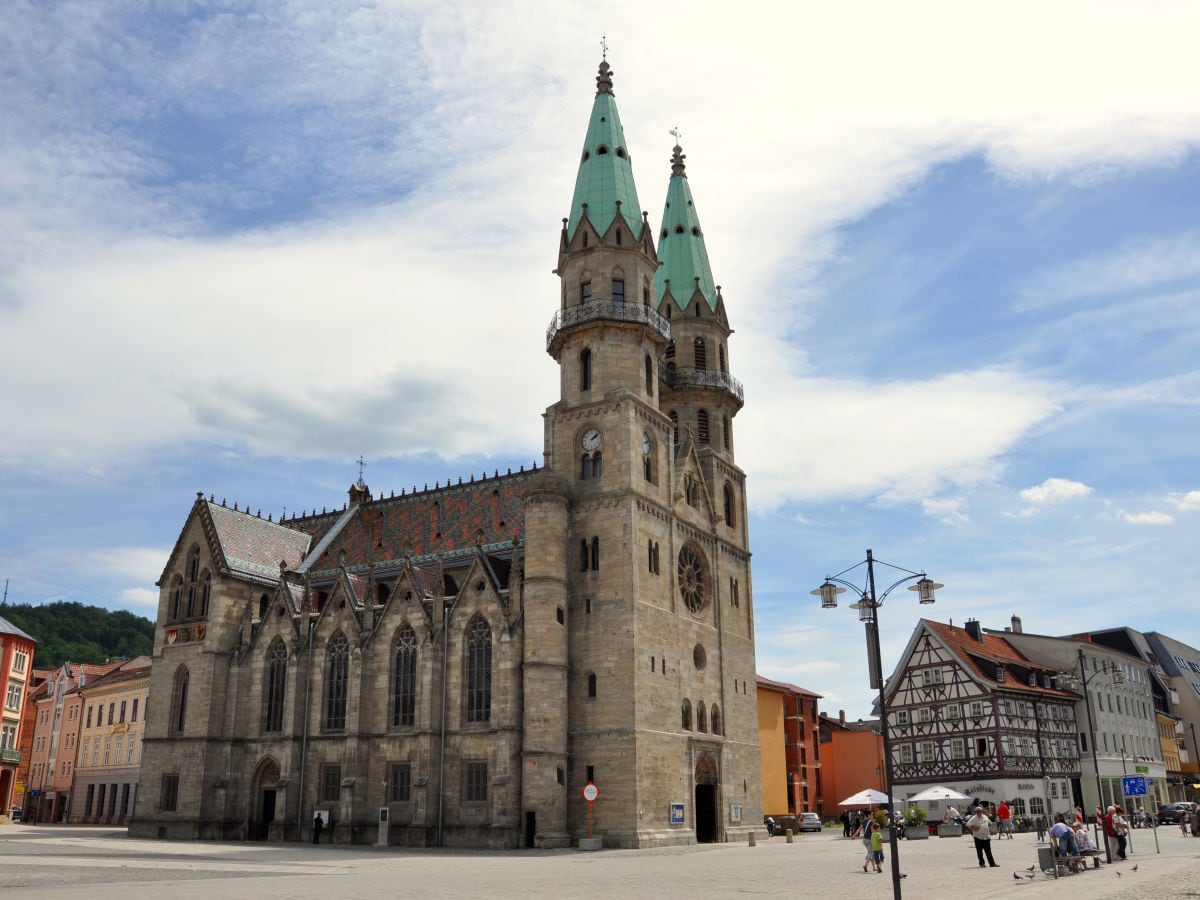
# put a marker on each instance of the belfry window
(730, 515)
(591, 465)
(179, 700)
(585, 370)
(702, 426)
(700, 352)
(726, 437)
(721, 358)
(649, 376)
(618, 291)
(585, 292)
(595, 554)
(674, 427)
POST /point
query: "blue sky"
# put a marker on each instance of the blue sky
(245, 243)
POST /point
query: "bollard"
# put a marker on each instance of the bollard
(789, 835)
(752, 843)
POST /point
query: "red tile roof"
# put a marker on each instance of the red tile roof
(784, 686)
(992, 648)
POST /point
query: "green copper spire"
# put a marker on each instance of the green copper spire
(681, 244)
(605, 174)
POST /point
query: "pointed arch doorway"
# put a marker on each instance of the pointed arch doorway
(267, 799)
(707, 783)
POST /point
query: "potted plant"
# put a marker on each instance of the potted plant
(914, 824)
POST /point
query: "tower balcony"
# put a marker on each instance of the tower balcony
(688, 377)
(606, 310)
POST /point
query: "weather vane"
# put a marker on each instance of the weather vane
(361, 465)
(604, 46)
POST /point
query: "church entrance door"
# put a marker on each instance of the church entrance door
(706, 800)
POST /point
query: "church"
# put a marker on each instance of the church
(459, 666)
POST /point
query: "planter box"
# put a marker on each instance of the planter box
(950, 830)
(916, 833)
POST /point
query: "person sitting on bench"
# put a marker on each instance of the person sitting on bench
(1062, 839)
(1083, 842)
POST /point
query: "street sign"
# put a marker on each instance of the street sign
(1134, 785)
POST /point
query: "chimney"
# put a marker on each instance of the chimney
(975, 630)
(1016, 624)
(841, 717)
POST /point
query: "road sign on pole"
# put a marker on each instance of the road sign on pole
(1134, 785)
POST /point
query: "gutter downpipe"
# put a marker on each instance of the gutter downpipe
(304, 738)
(442, 760)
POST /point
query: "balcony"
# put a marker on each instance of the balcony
(605, 310)
(686, 377)
(10, 755)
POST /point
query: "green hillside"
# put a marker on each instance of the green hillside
(81, 634)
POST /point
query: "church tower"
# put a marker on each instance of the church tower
(653, 651)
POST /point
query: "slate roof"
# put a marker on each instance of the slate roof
(255, 546)
(7, 627)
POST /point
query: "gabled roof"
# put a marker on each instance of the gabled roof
(975, 654)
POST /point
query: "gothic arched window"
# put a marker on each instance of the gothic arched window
(674, 426)
(687, 715)
(205, 594)
(700, 351)
(479, 670)
(701, 719)
(726, 436)
(702, 426)
(404, 678)
(715, 716)
(193, 576)
(649, 376)
(730, 516)
(337, 681)
(179, 700)
(274, 686)
(177, 608)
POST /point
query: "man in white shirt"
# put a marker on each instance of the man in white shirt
(980, 827)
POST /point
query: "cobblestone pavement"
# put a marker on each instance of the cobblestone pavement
(69, 861)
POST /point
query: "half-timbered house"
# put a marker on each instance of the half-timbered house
(967, 710)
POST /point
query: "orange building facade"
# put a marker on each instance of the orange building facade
(791, 751)
(851, 758)
(16, 668)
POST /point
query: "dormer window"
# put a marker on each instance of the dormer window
(602, 150)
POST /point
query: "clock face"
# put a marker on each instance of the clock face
(646, 445)
(591, 439)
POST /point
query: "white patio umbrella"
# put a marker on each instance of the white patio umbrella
(938, 792)
(867, 797)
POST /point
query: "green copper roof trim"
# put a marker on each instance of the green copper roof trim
(681, 244)
(605, 173)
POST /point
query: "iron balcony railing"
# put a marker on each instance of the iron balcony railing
(609, 310)
(684, 377)
(10, 755)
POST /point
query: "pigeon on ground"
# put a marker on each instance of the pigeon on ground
(1118, 873)
(1016, 877)
(1134, 868)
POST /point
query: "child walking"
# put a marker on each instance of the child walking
(877, 848)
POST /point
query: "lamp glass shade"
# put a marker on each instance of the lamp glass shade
(925, 588)
(828, 593)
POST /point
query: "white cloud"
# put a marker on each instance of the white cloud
(142, 601)
(1189, 502)
(136, 563)
(1055, 490)
(948, 510)
(1148, 518)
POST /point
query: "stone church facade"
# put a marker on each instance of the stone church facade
(464, 660)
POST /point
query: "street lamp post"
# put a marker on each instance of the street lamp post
(868, 613)
(1084, 679)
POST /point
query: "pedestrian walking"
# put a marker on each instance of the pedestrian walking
(980, 827)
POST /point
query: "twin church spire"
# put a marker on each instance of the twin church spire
(605, 189)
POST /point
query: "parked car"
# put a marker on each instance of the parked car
(15, 814)
(1169, 814)
(808, 821)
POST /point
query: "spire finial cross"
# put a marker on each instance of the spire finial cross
(604, 46)
(676, 133)
(362, 463)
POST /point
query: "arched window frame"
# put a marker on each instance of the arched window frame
(687, 714)
(702, 426)
(649, 376)
(595, 554)
(478, 643)
(715, 718)
(337, 681)
(700, 352)
(275, 685)
(701, 718)
(404, 677)
(591, 685)
(585, 369)
(179, 700)
(205, 594)
(730, 506)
